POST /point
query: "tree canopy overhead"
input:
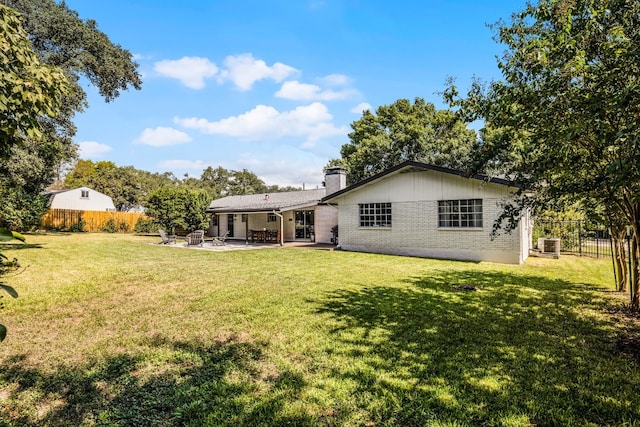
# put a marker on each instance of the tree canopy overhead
(59, 40)
(568, 107)
(29, 88)
(405, 131)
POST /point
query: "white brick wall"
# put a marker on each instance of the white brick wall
(325, 218)
(415, 230)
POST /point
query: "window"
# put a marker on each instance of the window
(84, 194)
(465, 213)
(375, 215)
(244, 217)
(271, 217)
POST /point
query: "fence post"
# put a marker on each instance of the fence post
(580, 237)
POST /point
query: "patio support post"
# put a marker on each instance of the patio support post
(246, 230)
(281, 227)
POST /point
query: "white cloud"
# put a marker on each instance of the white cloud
(162, 137)
(297, 91)
(92, 149)
(335, 80)
(361, 108)
(276, 167)
(183, 164)
(244, 70)
(313, 122)
(191, 71)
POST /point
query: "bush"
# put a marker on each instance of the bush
(145, 225)
(77, 227)
(110, 226)
(123, 227)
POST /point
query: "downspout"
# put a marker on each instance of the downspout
(281, 227)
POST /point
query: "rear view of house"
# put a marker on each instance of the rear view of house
(81, 199)
(428, 211)
(279, 217)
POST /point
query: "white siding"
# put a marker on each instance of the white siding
(72, 199)
(414, 197)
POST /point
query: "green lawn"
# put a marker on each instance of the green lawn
(112, 330)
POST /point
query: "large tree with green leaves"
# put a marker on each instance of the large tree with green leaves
(568, 107)
(77, 49)
(175, 207)
(29, 89)
(245, 182)
(405, 131)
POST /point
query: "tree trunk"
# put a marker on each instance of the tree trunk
(635, 268)
(620, 259)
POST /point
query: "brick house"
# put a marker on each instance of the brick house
(418, 209)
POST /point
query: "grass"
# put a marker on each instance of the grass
(111, 330)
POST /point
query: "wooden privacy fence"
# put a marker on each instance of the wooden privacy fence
(72, 220)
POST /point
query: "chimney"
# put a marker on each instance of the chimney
(335, 179)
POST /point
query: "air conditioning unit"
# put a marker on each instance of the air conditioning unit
(549, 246)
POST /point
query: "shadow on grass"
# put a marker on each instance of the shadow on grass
(222, 384)
(18, 246)
(520, 350)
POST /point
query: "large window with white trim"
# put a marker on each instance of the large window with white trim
(465, 213)
(375, 215)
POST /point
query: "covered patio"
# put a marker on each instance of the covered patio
(276, 218)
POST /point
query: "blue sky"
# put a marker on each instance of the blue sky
(273, 86)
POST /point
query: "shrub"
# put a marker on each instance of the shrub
(123, 227)
(77, 227)
(110, 226)
(145, 225)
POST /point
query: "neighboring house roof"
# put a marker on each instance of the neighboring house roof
(66, 190)
(410, 166)
(267, 202)
(73, 199)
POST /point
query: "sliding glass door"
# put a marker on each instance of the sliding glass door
(304, 225)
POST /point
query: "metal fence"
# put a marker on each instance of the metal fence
(578, 237)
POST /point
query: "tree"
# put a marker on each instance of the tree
(29, 89)
(571, 87)
(166, 206)
(216, 181)
(178, 207)
(75, 49)
(126, 185)
(245, 182)
(405, 131)
(196, 203)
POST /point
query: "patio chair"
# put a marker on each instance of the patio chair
(195, 238)
(220, 240)
(166, 239)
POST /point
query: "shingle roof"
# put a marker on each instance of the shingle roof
(267, 202)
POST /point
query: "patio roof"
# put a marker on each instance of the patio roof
(267, 202)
